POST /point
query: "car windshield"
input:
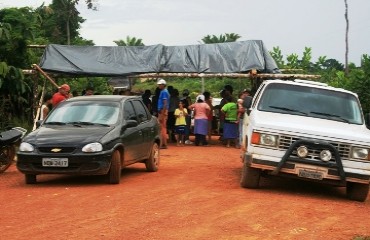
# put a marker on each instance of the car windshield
(85, 113)
(312, 102)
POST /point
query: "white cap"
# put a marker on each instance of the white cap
(161, 81)
(201, 97)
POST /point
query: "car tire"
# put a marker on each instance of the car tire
(30, 178)
(357, 191)
(250, 176)
(114, 174)
(152, 163)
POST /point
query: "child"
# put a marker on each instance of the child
(45, 108)
(180, 124)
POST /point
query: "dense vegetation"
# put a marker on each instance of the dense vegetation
(60, 23)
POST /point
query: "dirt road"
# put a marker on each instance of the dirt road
(194, 195)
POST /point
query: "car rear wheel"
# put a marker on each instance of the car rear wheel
(114, 174)
(250, 176)
(152, 163)
(30, 178)
(357, 191)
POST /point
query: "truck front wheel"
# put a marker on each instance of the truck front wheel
(250, 176)
(357, 191)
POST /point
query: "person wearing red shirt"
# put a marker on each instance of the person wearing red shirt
(61, 95)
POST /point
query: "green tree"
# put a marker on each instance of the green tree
(66, 20)
(358, 81)
(278, 57)
(12, 50)
(5, 29)
(130, 41)
(63, 21)
(228, 37)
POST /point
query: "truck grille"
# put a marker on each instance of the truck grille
(344, 149)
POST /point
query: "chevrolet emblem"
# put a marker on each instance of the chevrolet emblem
(56, 150)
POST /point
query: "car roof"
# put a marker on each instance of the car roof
(108, 98)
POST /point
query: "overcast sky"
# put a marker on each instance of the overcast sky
(291, 25)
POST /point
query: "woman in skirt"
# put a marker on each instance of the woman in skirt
(201, 112)
(230, 109)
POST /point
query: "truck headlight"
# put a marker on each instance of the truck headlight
(360, 153)
(264, 139)
(302, 151)
(325, 155)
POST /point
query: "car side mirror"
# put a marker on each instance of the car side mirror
(131, 123)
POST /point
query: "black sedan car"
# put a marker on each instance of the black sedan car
(92, 135)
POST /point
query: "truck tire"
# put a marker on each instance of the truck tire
(357, 191)
(250, 176)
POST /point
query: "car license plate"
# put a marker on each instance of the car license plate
(310, 174)
(55, 162)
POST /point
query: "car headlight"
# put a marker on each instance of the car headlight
(26, 147)
(264, 139)
(92, 147)
(360, 153)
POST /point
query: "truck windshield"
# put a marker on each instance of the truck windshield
(311, 102)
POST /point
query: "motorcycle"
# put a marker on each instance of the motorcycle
(8, 142)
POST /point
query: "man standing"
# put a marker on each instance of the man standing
(61, 95)
(163, 105)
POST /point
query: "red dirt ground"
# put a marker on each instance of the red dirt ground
(194, 195)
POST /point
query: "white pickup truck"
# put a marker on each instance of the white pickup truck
(307, 130)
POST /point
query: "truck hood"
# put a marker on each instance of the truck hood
(66, 135)
(310, 127)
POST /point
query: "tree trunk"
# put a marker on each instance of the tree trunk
(347, 27)
(68, 31)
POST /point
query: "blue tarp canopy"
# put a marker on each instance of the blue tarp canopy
(231, 57)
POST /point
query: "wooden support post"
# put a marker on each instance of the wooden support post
(45, 75)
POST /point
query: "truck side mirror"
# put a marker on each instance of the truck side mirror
(247, 102)
(367, 120)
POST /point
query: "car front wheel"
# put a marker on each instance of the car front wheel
(30, 178)
(114, 174)
(152, 163)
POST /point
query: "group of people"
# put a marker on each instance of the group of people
(64, 92)
(174, 115)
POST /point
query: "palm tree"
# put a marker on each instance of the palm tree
(232, 37)
(228, 37)
(130, 41)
